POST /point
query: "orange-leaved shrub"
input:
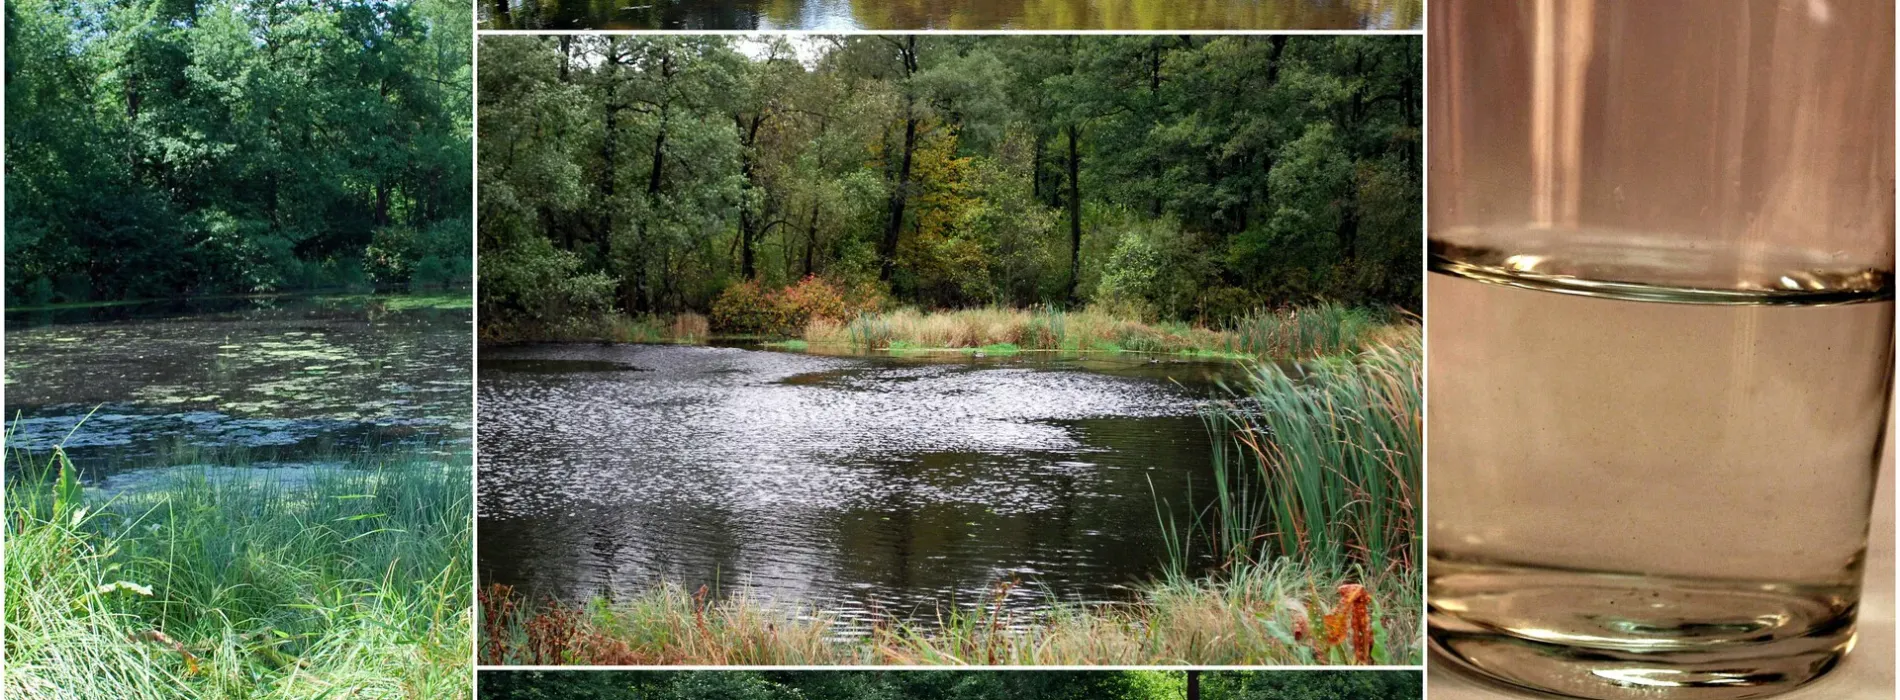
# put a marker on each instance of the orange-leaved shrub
(811, 298)
(747, 308)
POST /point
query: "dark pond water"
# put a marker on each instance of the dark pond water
(848, 15)
(851, 485)
(252, 380)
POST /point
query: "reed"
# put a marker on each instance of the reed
(1322, 329)
(1321, 463)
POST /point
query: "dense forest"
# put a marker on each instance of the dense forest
(161, 148)
(952, 685)
(1177, 177)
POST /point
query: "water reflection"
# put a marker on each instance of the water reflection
(855, 485)
(278, 379)
(847, 15)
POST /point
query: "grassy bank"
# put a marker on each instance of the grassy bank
(1301, 333)
(685, 328)
(1317, 475)
(205, 584)
(1280, 614)
(1324, 329)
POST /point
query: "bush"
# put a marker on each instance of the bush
(1155, 271)
(536, 283)
(745, 308)
(431, 258)
(748, 309)
(812, 298)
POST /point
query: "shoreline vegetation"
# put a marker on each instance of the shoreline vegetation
(1266, 615)
(390, 300)
(1317, 479)
(815, 316)
(954, 685)
(210, 583)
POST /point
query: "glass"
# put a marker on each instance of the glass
(1661, 338)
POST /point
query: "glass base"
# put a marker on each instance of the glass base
(1621, 637)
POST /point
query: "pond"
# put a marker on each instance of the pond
(850, 15)
(856, 486)
(283, 380)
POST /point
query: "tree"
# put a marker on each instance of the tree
(1190, 178)
(162, 148)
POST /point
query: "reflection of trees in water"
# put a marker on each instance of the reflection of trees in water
(956, 14)
(1132, 14)
(622, 14)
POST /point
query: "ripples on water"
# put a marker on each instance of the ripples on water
(853, 485)
(272, 380)
(853, 15)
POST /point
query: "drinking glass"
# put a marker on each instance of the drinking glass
(1660, 343)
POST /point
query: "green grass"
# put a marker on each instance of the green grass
(792, 345)
(349, 584)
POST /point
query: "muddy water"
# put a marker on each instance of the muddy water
(281, 381)
(854, 485)
(849, 15)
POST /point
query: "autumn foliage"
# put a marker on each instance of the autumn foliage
(748, 309)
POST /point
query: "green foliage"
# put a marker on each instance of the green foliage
(1155, 271)
(1319, 685)
(1167, 178)
(159, 149)
(542, 285)
(431, 258)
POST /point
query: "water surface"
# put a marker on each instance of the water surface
(858, 486)
(286, 380)
(850, 15)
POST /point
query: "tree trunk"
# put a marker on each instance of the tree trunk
(1075, 216)
(811, 239)
(893, 225)
(603, 230)
(567, 50)
(1035, 165)
(1194, 685)
(1154, 164)
(749, 221)
(382, 204)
